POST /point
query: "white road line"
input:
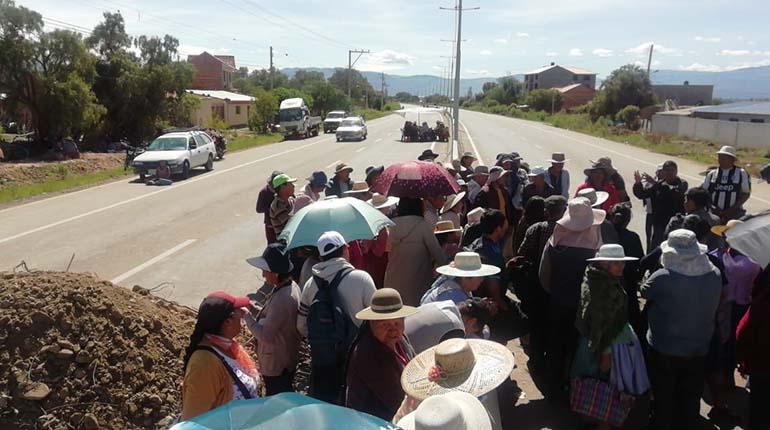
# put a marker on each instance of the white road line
(333, 164)
(150, 262)
(539, 147)
(432, 146)
(473, 145)
(378, 140)
(360, 149)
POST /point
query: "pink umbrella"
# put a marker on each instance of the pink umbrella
(418, 179)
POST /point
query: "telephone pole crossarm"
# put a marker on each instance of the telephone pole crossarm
(352, 63)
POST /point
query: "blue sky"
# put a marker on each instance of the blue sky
(405, 35)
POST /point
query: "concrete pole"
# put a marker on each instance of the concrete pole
(271, 68)
(350, 67)
(456, 122)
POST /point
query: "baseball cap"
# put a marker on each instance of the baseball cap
(219, 299)
(330, 242)
(283, 179)
(274, 259)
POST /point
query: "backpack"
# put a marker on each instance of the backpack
(330, 329)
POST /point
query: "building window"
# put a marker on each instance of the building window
(733, 119)
(237, 110)
(758, 121)
(536, 85)
(536, 77)
(586, 78)
(575, 78)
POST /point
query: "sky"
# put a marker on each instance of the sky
(405, 36)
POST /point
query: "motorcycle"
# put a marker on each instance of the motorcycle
(221, 145)
(441, 131)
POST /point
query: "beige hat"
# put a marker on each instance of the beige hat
(452, 200)
(451, 411)
(473, 366)
(358, 187)
(379, 201)
(580, 216)
(596, 198)
(386, 305)
(445, 227)
(474, 216)
(342, 167)
(728, 150)
(468, 155)
(612, 252)
(468, 265)
(720, 230)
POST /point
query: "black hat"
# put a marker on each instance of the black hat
(427, 155)
(372, 170)
(275, 259)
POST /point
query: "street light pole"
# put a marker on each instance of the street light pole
(458, 43)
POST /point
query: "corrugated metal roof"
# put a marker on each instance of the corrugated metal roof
(222, 95)
(748, 108)
(568, 88)
(575, 70)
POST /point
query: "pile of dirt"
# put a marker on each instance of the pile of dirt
(81, 353)
(34, 171)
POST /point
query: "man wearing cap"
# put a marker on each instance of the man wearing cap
(428, 155)
(557, 176)
(274, 326)
(466, 165)
(729, 185)
(667, 198)
(312, 192)
(264, 200)
(341, 181)
(538, 186)
(282, 207)
(477, 180)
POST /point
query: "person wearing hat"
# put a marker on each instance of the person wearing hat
(598, 178)
(556, 176)
(494, 194)
(312, 191)
(666, 197)
(537, 186)
(341, 181)
(620, 216)
(453, 209)
(432, 208)
(476, 181)
(472, 229)
(613, 177)
(378, 356)
(598, 199)
(274, 325)
(360, 191)
(534, 212)
(427, 155)
(354, 292)
(451, 169)
(575, 239)
(679, 341)
(729, 186)
(459, 279)
(432, 324)
(602, 322)
(451, 411)
(217, 369)
(264, 200)
(466, 165)
(448, 237)
(515, 182)
(373, 173)
(282, 208)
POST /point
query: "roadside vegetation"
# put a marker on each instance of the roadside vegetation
(59, 178)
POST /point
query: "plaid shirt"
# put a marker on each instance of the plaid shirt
(535, 238)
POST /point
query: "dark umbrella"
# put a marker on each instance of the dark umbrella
(416, 179)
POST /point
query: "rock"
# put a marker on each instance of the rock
(142, 333)
(65, 344)
(165, 422)
(36, 391)
(141, 290)
(90, 422)
(39, 317)
(76, 418)
(49, 349)
(84, 357)
(65, 354)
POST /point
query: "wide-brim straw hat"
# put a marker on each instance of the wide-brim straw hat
(468, 265)
(596, 198)
(452, 201)
(480, 171)
(342, 167)
(451, 411)
(472, 366)
(445, 226)
(386, 304)
(557, 158)
(468, 155)
(611, 252)
(720, 230)
(379, 201)
(580, 216)
(474, 216)
(358, 187)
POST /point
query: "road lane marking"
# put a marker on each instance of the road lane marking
(432, 146)
(333, 164)
(473, 145)
(360, 149)
(378, 140)
(539, 147)
(150, 262)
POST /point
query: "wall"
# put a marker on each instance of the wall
(722, 132)
(558, 77)
(578, 96)
(204, 114)
(685, 95)
(209, 74)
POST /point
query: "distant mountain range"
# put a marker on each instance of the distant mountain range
(741, 84)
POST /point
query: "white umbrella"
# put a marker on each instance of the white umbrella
(751, 238)
(417, 111)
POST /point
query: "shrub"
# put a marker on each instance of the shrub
(545, 100)
(218, 124)
(630, 116)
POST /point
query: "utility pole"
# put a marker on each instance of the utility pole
(456, 108)
(382, 90)
(271, 68)
(649, 60)
(352, 63)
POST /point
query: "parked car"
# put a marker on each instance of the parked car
(352, 128)
(333, 120)
(182, 151)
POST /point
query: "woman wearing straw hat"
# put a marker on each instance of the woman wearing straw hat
(459, 279)
(378, 356)
(448, 237)
(453, 209)
(450, 411)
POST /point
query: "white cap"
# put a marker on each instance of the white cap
(330, 242)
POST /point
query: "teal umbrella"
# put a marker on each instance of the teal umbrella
(283, 411)
(352, 218)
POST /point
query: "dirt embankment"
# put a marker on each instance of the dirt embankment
(35, 172)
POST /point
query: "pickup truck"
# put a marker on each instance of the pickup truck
(295, 119)
(333, 120)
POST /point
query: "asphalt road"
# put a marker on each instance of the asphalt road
(193, 236)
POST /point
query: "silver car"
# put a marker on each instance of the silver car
(352, 128)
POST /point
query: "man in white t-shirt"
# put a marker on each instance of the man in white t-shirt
(729, 186)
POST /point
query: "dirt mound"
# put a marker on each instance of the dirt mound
(34, 171)
(81, 353)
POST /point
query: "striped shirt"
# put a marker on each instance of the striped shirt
(726, 185)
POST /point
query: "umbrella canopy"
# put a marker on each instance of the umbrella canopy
(751, 238)
(417, 179)
(283, 411)
(352, 218)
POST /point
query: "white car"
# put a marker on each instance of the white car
(181, 150)
(352, 128)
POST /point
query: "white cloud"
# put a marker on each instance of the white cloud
(477, 72)
(551, 54)
(485, 52)
(437, 68)
(575, 52)
(523, 35)
(643, 64)
(707, 39)
(385, 60)
(698, 67)
(742, 53)
(501, 41)
(644, 49)
(602, 52)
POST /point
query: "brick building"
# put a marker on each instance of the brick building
(212, 72)
(576, 95)
(555, 76)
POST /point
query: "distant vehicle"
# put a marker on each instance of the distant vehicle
(333, 120)
(182, 151)
(295, 119)
(352, 128)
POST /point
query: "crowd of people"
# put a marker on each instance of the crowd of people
(418, 317)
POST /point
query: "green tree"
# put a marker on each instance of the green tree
(359, 85)
(405, 97)
(545, 100)
(304, 80)
(508, 90)
(326, 98)
(264, 110)
(628, 85)
(284, 93)
(629, 115)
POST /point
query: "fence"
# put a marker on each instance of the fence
(735, 133)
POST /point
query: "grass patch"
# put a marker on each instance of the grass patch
(250, 140)
(60, 179)
(370, 114)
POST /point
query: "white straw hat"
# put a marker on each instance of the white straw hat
(468, 265)
(452, 201)
(474, 216)
(450, 411)
(445, 226)
(612, 252)
(597, 198)
(379, 201)
(580, 216)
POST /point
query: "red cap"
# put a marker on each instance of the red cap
(237, 302)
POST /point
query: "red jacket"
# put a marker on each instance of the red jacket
(752, 346)
(609, 189)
